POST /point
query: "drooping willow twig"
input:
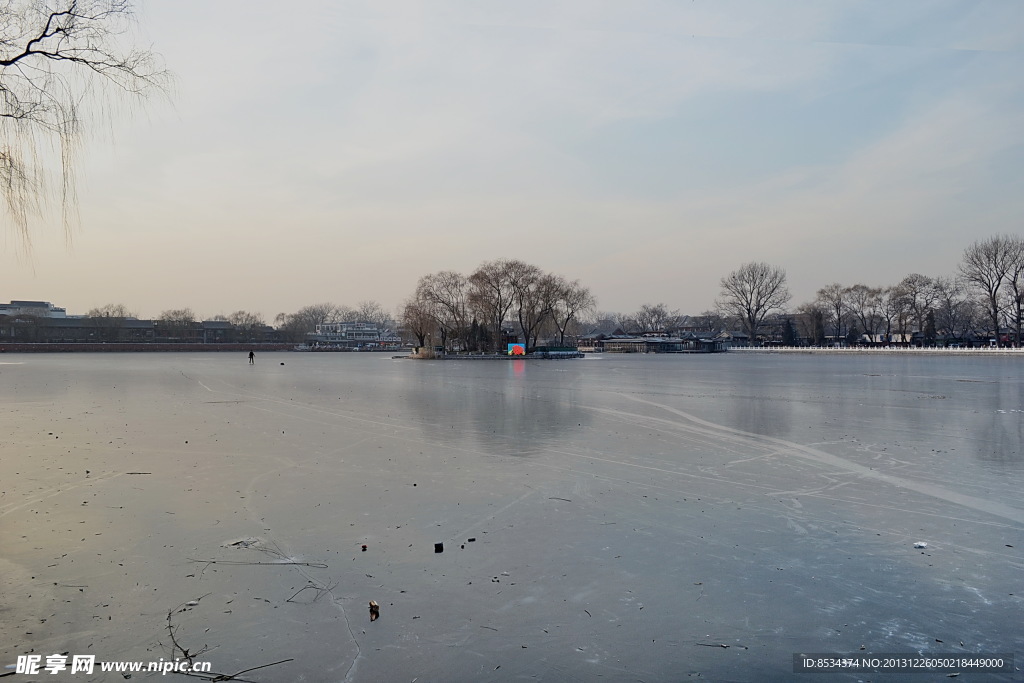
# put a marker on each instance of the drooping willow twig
(318, 565)
(318, 587)
(190, 656)
(175, 645)
(206, 564)
(214, 676)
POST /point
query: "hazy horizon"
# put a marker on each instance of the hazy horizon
(339, 151)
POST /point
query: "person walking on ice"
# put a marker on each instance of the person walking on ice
(252, 358)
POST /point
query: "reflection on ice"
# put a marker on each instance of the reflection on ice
(502, 416)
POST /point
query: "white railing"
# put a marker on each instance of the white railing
(935, 350)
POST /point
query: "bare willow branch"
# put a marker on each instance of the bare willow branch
(63, 63)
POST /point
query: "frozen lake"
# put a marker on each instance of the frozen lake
(632, 515)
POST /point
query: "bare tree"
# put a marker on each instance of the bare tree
(372, 312)
(571, 301)
(343, 314)
(178, 315)
(900, 311)
(975, 317)
(248, 325)
(445, 295)
(832, 298)
(984, 266)
(491, 294)
(810, 319)
(865, 304)
(295, 326)
(952, 309)
(710, 323)
(119, 311)
(177, 323)
(57, 56)
(109, 320)
(605, 322)
(895, 312)
(752, 292)
(918, 292)
(655, 318)
(628, 324)
(418, 320)
(535, 296)
(289, 327)
(316, 314)
(246, 320)
(1015, 286)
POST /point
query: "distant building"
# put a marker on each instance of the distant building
(216, 331)
(353, 335)
(687, 343)
(80, 329)
(734, 338)
(37, 309)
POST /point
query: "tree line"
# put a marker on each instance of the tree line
(295, 326)
(113, 315)
(470, 312)
(288, 326)
(982, 299)
(509, 300)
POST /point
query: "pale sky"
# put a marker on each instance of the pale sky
(330, 150)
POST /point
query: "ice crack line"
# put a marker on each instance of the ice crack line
(940, 492)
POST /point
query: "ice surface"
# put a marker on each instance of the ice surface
(631, 514)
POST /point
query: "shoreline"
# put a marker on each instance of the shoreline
(496, 356)
(149, 347)
(115, 347)
(926, 351)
